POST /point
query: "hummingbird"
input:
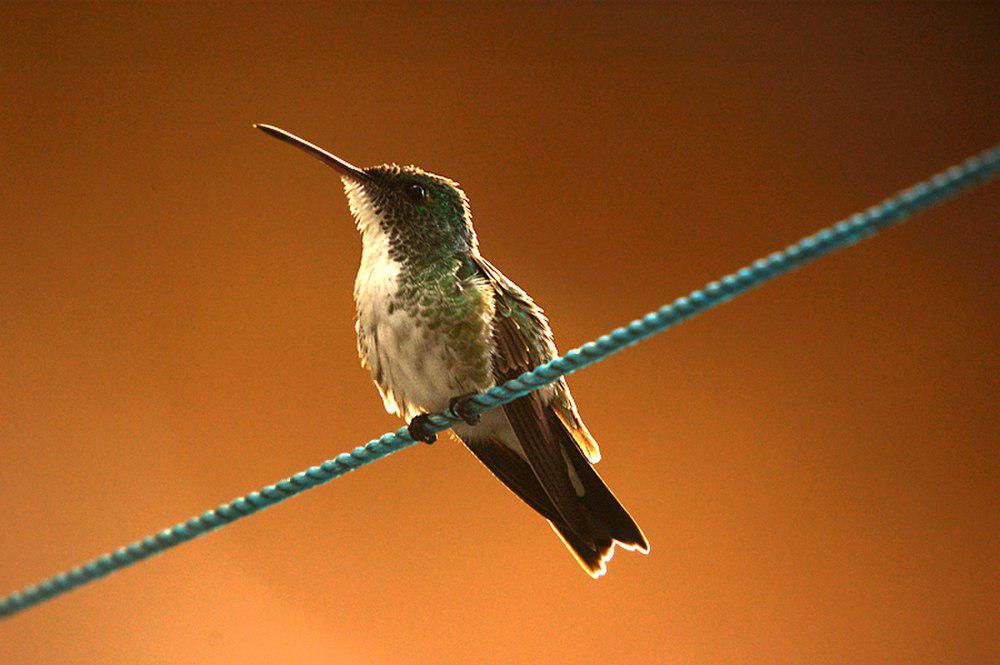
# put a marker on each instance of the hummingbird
(438, 323)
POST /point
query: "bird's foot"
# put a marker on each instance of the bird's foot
(460, 406)
(419, 429)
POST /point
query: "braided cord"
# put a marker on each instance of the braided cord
(891, 211)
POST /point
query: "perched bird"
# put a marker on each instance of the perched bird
(438, 323)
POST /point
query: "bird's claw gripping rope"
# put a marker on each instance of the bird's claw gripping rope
(847, 232)
(419, 429)
(461, 408)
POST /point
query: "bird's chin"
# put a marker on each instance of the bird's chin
(352, 187)
(361, 205)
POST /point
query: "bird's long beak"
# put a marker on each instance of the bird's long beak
(345, 169)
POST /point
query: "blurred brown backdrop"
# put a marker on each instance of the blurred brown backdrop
(815, 464)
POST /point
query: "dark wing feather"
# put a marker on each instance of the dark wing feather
(542, 445)
(527, 344)
(513, 472)
(522, 340)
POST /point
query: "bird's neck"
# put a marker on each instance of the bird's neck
(411, 257)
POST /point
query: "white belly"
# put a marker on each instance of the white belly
(411, 365)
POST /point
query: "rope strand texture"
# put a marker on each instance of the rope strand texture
(940, 187)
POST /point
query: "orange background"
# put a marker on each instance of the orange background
(815, 464)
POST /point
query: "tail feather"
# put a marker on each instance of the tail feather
(609, 517)
(593, 557)
(603, 506)
(602, 522)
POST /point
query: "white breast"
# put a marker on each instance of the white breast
(374, 290)
(411, 364)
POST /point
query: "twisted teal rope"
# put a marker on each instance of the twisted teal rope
(847, 232)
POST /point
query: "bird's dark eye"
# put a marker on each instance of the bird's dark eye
(415, 192)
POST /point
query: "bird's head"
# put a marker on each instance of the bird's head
(421, 215)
